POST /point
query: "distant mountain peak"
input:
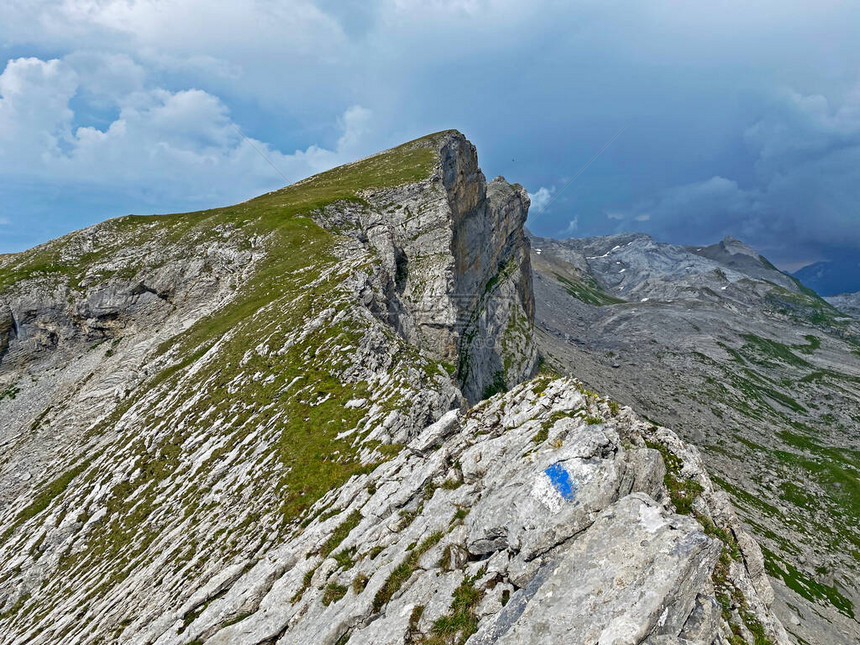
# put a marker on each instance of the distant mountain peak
(833, 277)
(735, 247)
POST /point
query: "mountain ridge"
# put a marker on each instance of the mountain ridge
(313, 417)
(757, 370)
(832, 277)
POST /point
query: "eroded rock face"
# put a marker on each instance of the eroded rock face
(538, 519)
(457, 268)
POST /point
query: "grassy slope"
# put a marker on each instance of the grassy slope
(210, 399)
(282, 212)
(588, 291)
(831, 517)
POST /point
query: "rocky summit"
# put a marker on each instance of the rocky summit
(317, 417)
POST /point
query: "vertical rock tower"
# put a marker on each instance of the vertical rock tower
(458, 276)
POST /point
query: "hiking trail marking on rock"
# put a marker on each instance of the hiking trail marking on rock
(554, 486)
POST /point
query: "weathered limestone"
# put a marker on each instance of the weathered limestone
(302, 468)
(455, 267)
(629, 570)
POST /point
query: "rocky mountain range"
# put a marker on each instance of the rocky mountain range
(751, 366)
(317, 417)
(840, 274)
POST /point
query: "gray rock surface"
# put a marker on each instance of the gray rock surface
(659, 565)
(848, 303)
(629, 570)
(456, 262)
(251, 426)
(756, 370)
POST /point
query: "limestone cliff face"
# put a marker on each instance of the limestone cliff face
(457, 266)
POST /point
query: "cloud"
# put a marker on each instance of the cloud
(699, 212)
(540, 199)
(262, 51)
(803, 196)
(35, 117)
(131, 105)
(572, 227)
(804, 127)
(180, 145)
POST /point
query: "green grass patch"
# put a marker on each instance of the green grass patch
(306, 584)
(802, 584)
(540, 436)
(340, 533)
(345, 559)
(461, 621)
(682, 491)
(333, 592)
(403, 572)
(742, 497)
(835, 469)
(813, 344)
(765, 349)
(10, 392)
(806, 306)
(588, 291)
(47, 494)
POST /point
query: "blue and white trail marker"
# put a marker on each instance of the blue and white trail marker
(555, 486)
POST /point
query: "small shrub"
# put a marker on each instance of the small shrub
(333, 593)
(359, 583)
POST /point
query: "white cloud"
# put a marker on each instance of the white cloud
(106, 76)
(354, 123)
(177, 26)
(279, 52)
(35, 118)
(572, 227)
(180, 144)
(540, 199)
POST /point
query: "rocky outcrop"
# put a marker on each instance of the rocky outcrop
(540, 517)
(848, 303)
(456, 266)
(750, 366)
(7, 328)
(252, 425)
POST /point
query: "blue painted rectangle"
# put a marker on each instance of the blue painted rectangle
(561, 481)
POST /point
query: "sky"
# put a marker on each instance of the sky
(736, 118)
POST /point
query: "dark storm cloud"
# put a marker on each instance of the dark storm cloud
(740, 118)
